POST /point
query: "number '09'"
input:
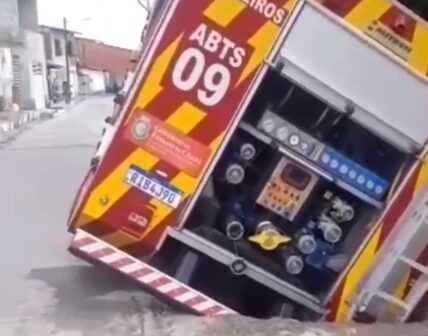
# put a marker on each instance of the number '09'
(216, 78)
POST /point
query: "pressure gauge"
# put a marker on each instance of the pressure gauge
(370, 185)
(268, 125)
(294, 140)
(282, 133)
(353, 174)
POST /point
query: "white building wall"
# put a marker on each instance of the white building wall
(36, 68)
(96, 80)
(9, 15)
(6, 76)
(59, 75)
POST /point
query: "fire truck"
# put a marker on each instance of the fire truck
(269, 160)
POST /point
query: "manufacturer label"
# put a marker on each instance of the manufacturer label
(389, 39)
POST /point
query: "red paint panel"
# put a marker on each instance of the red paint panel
(401, 23)
(143, 271)
(169, 144)
(335, 302)
(141, 249)
(133, 200)
(120, 148)
(177, 292)
(340, 7)
(83, 242)
(214, 124)
(102, 252)
(122, 263)
(214, 58)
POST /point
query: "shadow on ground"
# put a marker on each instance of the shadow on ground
(87, 301)
(90, 299)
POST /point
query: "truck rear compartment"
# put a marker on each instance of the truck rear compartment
(334, 206)
(303, 180)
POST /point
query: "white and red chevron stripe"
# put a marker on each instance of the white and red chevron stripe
(97, 250)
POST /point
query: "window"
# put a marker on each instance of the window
(58, 47)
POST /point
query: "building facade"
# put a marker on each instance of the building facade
(102, 67)
(59, 45)
(22, 58)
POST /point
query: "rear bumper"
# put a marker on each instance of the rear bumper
(97, 251)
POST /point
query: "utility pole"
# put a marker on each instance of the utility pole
(67, 61)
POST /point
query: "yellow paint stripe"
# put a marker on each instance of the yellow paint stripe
(152, 85)
(186, 117)
(289, 5)
(223, 12)
(216, 143)
(354, 276)
(183, 182)
(113, 186)
(261, 41)
(419, 55)
(366, 11)
(422, 179)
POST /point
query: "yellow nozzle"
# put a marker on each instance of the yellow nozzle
(269, 239)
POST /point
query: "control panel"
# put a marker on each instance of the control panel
(287, 190)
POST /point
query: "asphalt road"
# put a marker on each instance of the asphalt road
(46, 291)
(43, 289)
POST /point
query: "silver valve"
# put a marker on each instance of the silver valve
(235, 174)
(332, 232)
(247, 152)
(307, 244)
(341, 211)
(294, 264)
(235, 230)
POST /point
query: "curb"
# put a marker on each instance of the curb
(25, 118)
(28, 117)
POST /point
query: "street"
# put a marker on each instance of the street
(43, 287)
(46, 291)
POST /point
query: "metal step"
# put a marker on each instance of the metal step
(396, 259)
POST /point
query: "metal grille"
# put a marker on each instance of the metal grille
(16, 67)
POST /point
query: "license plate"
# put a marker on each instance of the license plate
(153, 187)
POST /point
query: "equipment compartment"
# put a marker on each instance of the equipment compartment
(279, 204)
(349, 69)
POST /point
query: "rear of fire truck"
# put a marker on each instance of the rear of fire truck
(269, 160)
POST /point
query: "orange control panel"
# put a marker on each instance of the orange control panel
(287, 189)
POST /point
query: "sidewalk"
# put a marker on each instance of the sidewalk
(13, 121)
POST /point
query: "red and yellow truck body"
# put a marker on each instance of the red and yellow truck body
(201, 66)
